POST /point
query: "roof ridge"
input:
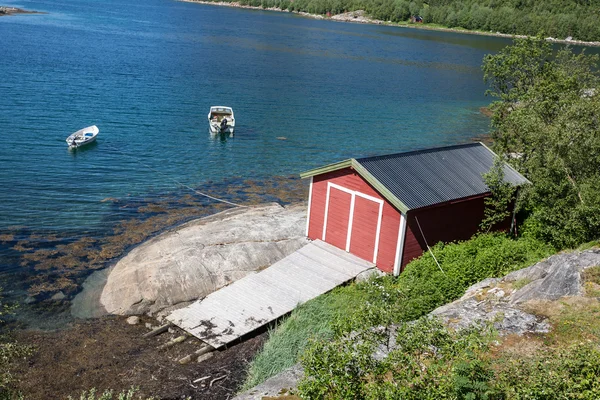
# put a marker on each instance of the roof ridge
(420, 151)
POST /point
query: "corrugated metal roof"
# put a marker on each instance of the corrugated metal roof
(427, 177)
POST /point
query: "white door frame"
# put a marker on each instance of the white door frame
(353, 193)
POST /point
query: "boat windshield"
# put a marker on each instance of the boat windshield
(220, 110)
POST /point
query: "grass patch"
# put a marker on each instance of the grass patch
(521, 283)
(577, 321)
(288, 340)
(591, 281)
(592, 274)
(574, 319)
(466, 364)
(589, 245)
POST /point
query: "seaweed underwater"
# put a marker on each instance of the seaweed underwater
(43, 268)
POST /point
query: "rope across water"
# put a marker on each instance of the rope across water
(172, 179)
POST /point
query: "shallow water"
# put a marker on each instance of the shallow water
(305, 93)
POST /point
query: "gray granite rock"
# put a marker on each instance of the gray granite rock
(556, 277)
(463, 314)
(489, 301)
(58, 296)
(479, 286)
(366, 275)
(277, 385)
(193, 260)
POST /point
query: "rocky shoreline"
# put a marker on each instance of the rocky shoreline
(360, 16)
(4, 11)
(167, 271)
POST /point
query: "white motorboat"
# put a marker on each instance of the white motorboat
(221, 120)
(83, 137)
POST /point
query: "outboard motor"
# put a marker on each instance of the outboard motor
(223, 124)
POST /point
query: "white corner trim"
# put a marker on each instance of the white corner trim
(400, 245)
(309, 202)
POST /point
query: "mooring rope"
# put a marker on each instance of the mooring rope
(174, 180)
(429, 248)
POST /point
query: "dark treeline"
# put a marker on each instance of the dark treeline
(579, 19)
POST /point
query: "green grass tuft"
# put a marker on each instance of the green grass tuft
(418, 290)
(287, 342)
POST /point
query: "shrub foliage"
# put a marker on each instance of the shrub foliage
(430, 361)
(546, 118)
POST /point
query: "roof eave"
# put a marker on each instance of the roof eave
(327, 168)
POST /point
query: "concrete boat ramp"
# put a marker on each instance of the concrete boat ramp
(258, 299)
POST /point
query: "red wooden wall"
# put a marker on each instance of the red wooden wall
(363, 225)
(447, 222)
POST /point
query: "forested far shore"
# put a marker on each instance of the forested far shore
(577, 19)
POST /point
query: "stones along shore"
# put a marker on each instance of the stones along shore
(193, 260)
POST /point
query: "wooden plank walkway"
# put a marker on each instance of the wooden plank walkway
(260, 298)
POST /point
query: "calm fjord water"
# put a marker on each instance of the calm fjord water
(146, 72)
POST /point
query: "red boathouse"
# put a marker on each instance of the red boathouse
(386, 209)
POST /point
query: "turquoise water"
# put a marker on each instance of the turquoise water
(147, 72)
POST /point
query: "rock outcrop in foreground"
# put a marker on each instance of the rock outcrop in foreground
(500, 301)
(193, 260)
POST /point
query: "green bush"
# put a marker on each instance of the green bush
(424, 286)
(428, 362)
(568, 373)
(547, 113)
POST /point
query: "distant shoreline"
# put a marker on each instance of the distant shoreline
(360, 17)
(7, 11)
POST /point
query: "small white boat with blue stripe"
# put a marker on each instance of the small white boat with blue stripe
(221, 120)
(82, 137)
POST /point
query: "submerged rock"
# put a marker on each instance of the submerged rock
(58, 296)
(193, 260)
